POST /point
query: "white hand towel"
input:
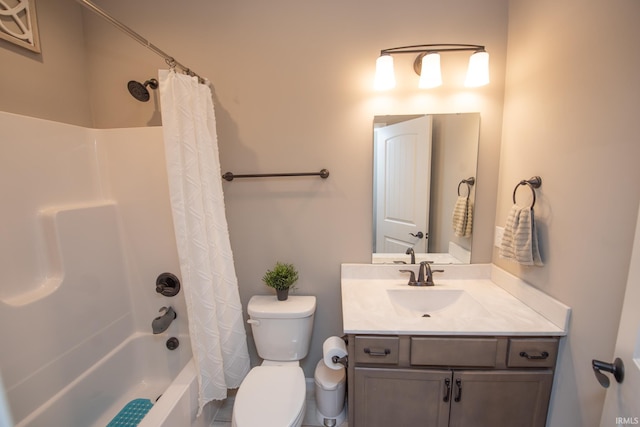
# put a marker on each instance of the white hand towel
(462, 217)
(520, 241)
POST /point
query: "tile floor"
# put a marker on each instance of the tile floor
(223, 417)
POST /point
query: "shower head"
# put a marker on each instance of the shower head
(139, 90)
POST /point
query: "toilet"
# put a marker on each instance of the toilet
(273, 394)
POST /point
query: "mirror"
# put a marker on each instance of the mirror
(424, 169)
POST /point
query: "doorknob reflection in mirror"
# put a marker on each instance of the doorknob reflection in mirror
(616, 368)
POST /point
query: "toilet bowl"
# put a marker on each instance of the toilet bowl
(271, 396)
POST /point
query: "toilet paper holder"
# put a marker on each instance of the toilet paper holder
(344, 361)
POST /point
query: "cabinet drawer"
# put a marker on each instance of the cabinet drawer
(378, 350)
(476, 352)
(532, 352)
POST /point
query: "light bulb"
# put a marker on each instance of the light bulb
(478, 72)
(385, 77)
(430, 75)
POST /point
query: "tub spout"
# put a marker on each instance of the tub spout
(161, 323)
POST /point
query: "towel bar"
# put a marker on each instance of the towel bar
(533, 183)
(229, 176)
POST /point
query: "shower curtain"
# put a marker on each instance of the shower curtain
(218, 338)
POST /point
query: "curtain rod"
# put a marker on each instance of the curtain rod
(170, 60)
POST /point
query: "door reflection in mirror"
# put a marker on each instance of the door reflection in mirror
(419, 161)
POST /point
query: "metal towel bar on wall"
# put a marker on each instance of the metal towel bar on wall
(229, 176)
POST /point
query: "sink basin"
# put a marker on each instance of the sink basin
(431, 302)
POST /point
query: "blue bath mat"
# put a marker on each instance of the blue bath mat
(132, 413)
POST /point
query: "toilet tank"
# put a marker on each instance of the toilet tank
(282, 329)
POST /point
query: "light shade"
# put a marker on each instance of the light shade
(478, 72)
(385, 76)
(430, 75)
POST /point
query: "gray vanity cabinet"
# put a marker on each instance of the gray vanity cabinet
(400, 397)
(500, 398)
(450, 381)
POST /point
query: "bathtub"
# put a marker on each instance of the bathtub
(140, 367)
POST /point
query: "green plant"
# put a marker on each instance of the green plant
(282, 276)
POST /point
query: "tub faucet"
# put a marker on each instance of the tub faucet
(161, 323)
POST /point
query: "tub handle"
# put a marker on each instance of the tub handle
(253, 322)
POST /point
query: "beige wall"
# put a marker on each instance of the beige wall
(54, 84)
(571, 106)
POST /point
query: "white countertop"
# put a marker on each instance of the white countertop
(489, 306)
(439, 258)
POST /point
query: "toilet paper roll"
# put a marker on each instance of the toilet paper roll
(333, 347)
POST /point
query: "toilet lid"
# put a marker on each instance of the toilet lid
(270, 396)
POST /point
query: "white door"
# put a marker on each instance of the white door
(622, 404)
(403, 174)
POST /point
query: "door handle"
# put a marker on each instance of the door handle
(616, 368)
(459, 394)
(447, 390)
(373, 352)
(418, 235)
(540, 356)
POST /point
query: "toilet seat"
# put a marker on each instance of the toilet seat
(271, 396)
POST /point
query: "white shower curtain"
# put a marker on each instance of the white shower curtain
(218, 338)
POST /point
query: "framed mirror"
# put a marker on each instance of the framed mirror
(424, 180)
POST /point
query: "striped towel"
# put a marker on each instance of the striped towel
(463, 217)
(520, 242)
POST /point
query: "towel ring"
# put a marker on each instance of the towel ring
(533, 183)
(469, 181)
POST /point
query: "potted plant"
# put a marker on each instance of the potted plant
(281, 278)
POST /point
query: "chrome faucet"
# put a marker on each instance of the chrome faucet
(162, 322)
(425, 275)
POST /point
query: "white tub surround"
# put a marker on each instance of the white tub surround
(76, 314)
(477, 299)
(140, 367)
(179, 404)
(86, 235)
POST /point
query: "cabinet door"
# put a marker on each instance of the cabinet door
(500, 398)
(401, 397)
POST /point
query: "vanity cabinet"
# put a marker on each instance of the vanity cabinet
(450, 381)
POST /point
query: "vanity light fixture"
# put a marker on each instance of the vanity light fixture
(427, 65)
